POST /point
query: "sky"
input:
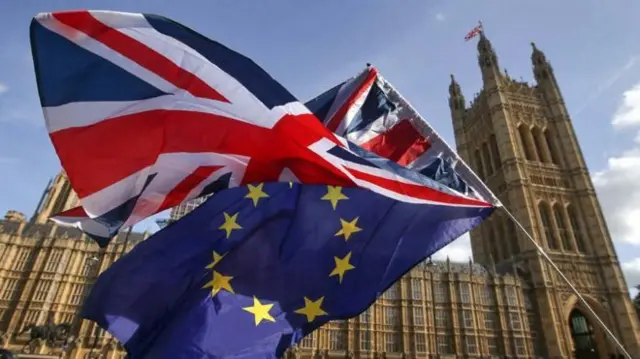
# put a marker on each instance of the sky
(310, 46)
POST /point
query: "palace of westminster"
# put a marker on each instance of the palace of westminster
(509, 303)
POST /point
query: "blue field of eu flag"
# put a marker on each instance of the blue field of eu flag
(254, 269)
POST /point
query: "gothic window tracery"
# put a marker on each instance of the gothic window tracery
(548, 137)
(545, 218)
(494, 242)
(511, 236)
(562, 227)
(527, 150)
(495, 153)
(478, 161)
(575, 227)
(487, 159)
(537, 143)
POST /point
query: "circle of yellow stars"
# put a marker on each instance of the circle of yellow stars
(312, 309)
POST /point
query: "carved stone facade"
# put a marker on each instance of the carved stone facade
(45, 273)
(520, 140)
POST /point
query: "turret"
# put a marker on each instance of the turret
(458, 115)
(456, 98)
(59, 196)
(488, 61)
(542, 70)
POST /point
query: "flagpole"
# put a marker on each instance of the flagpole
(496, 202)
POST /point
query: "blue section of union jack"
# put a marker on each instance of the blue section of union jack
(145, 113)
(368, 111)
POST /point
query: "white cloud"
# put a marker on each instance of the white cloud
(632, 272)
(628, 114)
(440, 17)
(457, 251)
(617, 184)
(3, 88)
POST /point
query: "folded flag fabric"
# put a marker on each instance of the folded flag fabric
(254, 269)
(370, 112)
(145, 113)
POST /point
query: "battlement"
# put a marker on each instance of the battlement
(15, 228)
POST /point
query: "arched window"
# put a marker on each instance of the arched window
(495, 153)
(526, 148)
(551, 146)
(545, 217)
(487, 159)
(512, 235)
(575, 227)
(478, 161)
(498, 241)
(584, 344)
(539, 144)
(562, 228)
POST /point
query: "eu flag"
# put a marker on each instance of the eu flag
(254, 269)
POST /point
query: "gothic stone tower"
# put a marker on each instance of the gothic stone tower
(57, 197)
(520, 140)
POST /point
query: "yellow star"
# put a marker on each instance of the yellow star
(219, 282)
(348, 228)
(255, 193)
(334, 195)
(230, 223)
(312, 309)
(260, 311)
(342, 266)
(216, 258)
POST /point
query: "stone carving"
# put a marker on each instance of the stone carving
(50, 334)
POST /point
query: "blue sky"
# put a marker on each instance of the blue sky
(312, 45)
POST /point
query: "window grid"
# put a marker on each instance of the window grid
(471, 344)
(391, 342)
(440, 292)
(21, 259)
(53, 261)
(9, 289)
(337, 340)
(520, 347)
(467, 319)
(391, 315)
(42, 290)
(514, 321)
(444, 344)
(418, 316)
(465, 296)
(392, 292)
(365, 340)
(416, 289)
(442, 318)
(420, 343)
(510, 293)
(308, 341)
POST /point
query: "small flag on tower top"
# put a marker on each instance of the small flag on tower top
(475, 31)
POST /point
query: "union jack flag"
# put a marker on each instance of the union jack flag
(145, 113)
(367, 110)
(474, 32)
